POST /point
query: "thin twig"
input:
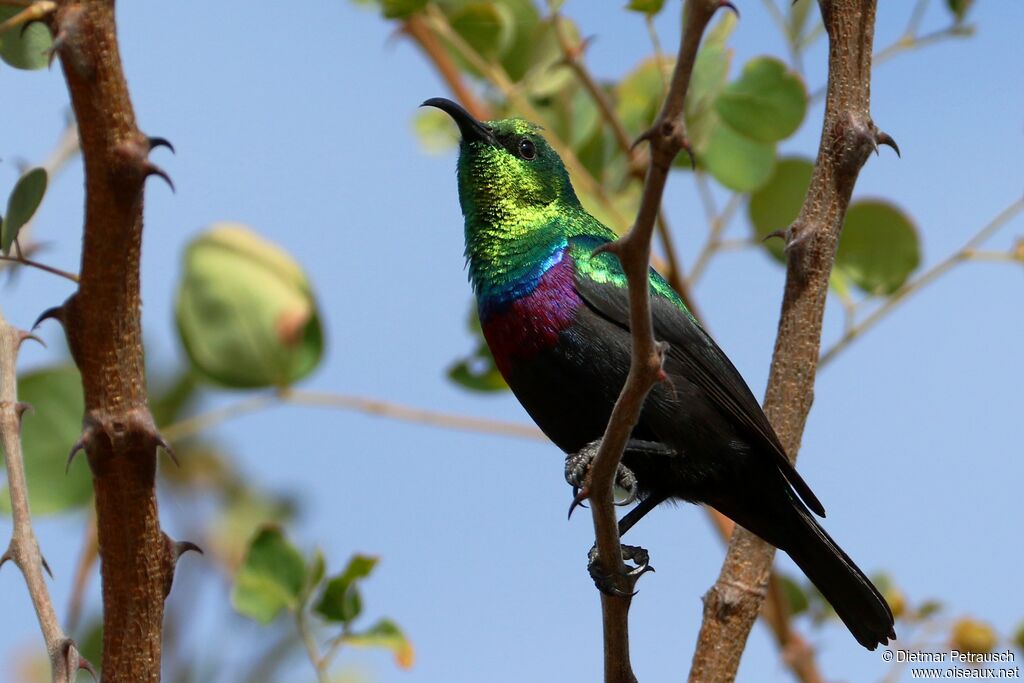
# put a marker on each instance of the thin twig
(312, 650)
(718, 224)
(659, 53)
(23, 549)
(371, 406)
(667, 137)
(417, 29)
(86, 561)
(918, 283)
(41, 266)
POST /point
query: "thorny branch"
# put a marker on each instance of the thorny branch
(23, 549)
(848, 137)
(667, 137)
(102, 323)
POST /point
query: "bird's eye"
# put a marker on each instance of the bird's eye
(527, 150)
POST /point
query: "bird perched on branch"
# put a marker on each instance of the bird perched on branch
(555, 313)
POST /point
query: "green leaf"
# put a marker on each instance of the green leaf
(776, 204)
(959, 8)
(638, 95)
(21, 205)
(245, 311)
(385, 634)
(488, 27)
(24, 50)
(241, 517)
(649, 7)
(878, 248)
(400, 9)
(271, 578)
(766, 103)
(435, 130)
(46, 435)
(341, 600)
(795, 596)
(533, 45)
(736, 161)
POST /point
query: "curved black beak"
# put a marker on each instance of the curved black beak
(471, 129)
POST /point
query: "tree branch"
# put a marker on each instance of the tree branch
(371, 406)
(102, 324)
(667, 137)
(848, 137)
(23, 549)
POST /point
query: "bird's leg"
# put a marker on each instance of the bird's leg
(608, 583)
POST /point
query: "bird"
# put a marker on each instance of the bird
(554, 311)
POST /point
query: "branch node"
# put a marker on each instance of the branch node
(68, 37)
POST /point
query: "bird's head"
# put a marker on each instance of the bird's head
(505, 165)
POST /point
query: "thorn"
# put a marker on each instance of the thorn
(689, 152)
(645, 136)
(578, 499)
(24, 336)
(46, 566)
(781, 234)
(155, 142)
(161, 442)
(6, 556)
(84, 663)
(79, 446)
(59, 41)
(75, 660)
(56, 313)
(179, 548)
(884, 138)
(728, 5)
(153, 169)
(21, 408)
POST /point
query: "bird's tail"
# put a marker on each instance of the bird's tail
(790, 526)
(854, 598)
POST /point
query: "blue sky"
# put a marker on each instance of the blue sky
(298, 122)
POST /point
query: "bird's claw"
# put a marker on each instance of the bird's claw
(610, 584)
(577, 469)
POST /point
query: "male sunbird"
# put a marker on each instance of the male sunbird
(556, 317)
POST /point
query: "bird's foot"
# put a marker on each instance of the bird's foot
(620, 585)
(577, 469)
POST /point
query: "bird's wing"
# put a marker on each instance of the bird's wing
(599, 284)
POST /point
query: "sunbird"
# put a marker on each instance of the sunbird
(555, 313)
